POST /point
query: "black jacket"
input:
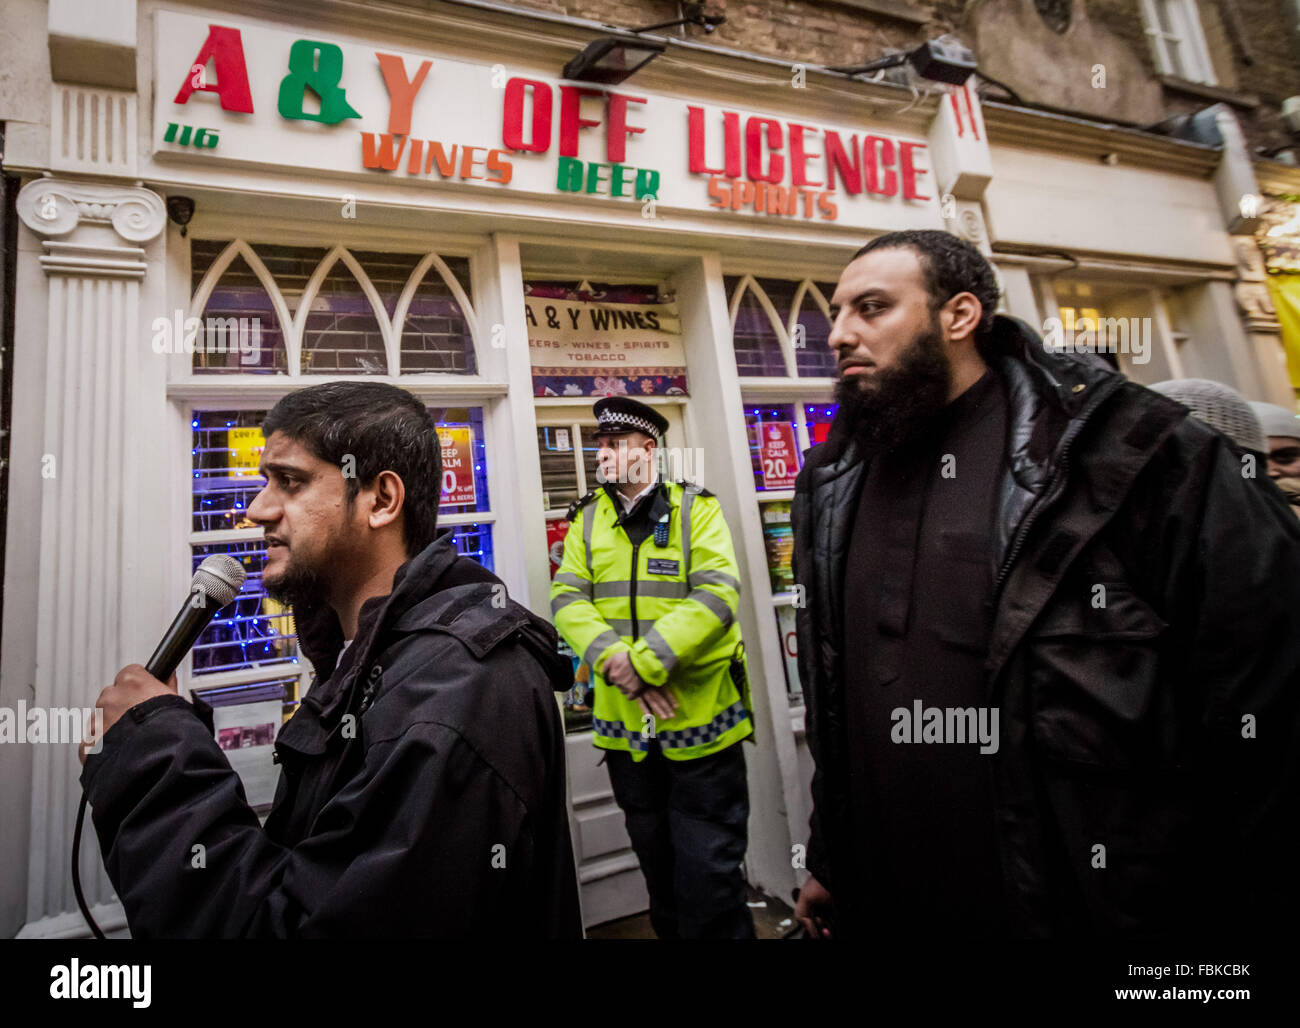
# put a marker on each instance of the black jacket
(1161, 723)
(422, 790)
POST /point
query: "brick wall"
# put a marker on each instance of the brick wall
(844, 33)
(1123, 19)
(794, 30)
(1274, 43)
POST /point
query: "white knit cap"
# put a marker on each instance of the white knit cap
(1219, 406)
(1277, 420)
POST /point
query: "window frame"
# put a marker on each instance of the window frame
(748, 282)
(1188, 33)
(189, 391)
(183, 383)
(578, 430)
(792, 389)
(302, 668)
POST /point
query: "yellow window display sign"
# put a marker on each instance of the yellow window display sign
(1286, 298)
(245, 451)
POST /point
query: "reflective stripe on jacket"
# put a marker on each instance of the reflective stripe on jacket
(672, 608)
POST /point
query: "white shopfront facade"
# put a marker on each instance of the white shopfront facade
(407, 241)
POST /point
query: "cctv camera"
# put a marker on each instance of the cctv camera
(180, 209)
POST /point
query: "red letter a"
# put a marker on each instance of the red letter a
(225, 49)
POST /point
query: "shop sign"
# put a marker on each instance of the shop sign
(778, 455)
(591, 348)
(457, 465)
(255, 95)
(245, 451)
(556, 530)
(246, 734)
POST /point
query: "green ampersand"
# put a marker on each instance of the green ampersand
(318, 67)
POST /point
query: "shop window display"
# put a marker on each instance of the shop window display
(252, 647)
(568, 456)
(780, 327)
(341, 334)
(755, 332)
(244, 295)
(368, 313)
(365, 313)
(815, 359)
(781, 330)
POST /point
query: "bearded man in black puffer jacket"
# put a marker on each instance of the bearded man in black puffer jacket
(1050, 637)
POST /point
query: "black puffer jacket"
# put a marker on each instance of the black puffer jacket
(1161, 723)
(422, 790)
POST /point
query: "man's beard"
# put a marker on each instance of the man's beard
(900, 401)
(299, 586)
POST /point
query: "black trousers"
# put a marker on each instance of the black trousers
(688, 820)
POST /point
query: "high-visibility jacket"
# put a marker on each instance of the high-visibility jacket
(672, 608)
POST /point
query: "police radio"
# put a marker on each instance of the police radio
(661, 531)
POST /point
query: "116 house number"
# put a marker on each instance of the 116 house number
(204, 138)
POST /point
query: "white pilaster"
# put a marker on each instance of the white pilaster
(87, 518)
(713, 420)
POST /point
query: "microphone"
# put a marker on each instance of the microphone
(216, 582)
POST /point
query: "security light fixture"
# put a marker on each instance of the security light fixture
(611, 59)
(937, 60)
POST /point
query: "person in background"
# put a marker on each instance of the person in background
(1219, 406)
(1050, 647)
(1282, 428)
(647, 593)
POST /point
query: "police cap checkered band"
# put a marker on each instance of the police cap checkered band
(623, 414)
(625, 422)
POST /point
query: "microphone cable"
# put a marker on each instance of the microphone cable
(76, 871)
(216, 583)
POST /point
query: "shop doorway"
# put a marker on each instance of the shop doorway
(1140, 329)
(608, 871)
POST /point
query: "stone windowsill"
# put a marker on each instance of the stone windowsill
(1248, 101)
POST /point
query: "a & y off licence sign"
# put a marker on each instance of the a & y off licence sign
(249, 93)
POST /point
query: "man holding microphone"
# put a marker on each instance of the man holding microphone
(422, 787)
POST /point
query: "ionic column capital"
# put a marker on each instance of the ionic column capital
(53, 208)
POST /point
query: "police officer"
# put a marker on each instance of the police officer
(647, 594)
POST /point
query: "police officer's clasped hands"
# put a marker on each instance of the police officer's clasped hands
(619, 671)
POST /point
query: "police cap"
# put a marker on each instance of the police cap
(616, 414)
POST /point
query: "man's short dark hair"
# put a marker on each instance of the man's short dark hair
(384, 429)
(951, 266)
